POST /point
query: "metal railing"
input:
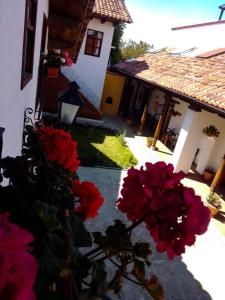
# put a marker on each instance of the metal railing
(71, 75)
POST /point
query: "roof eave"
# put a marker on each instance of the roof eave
(184, 97)
(112, 19)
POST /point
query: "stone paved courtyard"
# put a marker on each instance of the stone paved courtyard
(197, 275)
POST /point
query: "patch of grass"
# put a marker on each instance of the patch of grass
(101, 147)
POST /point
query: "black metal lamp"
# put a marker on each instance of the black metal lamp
(70, 103)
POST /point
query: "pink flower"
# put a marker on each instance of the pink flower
(18, 268)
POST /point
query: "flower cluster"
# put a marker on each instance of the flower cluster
(173, 213)
(59, 147)
(18, 268)
(55, 59)
(89, 197)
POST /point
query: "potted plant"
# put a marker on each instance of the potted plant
(208, 174)
(149, 141)
(53, 60)
(213, 202)
(211, 130)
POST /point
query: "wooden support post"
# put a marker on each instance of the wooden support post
(218, 175)
(144, 114)
(161, 121)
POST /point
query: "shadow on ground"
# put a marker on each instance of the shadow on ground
(177, 281)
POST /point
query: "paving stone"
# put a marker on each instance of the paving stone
(194, 276)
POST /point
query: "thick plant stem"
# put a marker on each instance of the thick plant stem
(104, 245)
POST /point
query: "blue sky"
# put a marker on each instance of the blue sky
(153, 19)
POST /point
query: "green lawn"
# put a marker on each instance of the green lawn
(101, 147)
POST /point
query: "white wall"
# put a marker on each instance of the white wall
(177, 121)
(205, 119)
(92, 69)
(13, 100)
(219, 147)
(205, 38)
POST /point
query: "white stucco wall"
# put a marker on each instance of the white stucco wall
(13, 100)
(177, 121)
(92, 69)
(219, 147)
(205, 37)
(205, 119)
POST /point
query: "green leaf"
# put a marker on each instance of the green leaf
(82, 267)
(98, 283)
(116, 283)
(139, 266)
(142, 250)
(122, 238)
(81, 237)
(99, 239)
(48, 214)
(51, 261)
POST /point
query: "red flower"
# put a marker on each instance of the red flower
(174, 214)
(59, 147)
(134, 198)
(65, 54)
(69, 61)
(18, 268)
(90, 198)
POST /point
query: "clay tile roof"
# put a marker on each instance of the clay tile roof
(112, 10)
(202, 80)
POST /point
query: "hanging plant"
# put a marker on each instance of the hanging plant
(211, 130)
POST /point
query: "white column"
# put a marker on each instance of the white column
(206, 146)
(187, 142)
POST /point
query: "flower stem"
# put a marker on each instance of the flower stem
(125, 276)
(109, 242)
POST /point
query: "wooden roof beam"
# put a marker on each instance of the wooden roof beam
(59, 44)
(63, 21)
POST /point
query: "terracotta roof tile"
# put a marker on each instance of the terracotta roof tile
(200, 79)
(113, 10)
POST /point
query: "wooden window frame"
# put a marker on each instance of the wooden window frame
(29, 41)
(93, 39)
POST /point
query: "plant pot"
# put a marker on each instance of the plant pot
(213, 210)
(52, 72)
(208, 176)
(149, 142)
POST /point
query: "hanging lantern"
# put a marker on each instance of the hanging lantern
(70, 103)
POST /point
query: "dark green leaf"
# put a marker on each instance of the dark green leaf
(82, 267)
(81, 237)
(99, 239)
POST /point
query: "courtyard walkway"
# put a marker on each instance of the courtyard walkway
(198, 274)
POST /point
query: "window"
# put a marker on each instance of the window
(28, 41)
(93, 42)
